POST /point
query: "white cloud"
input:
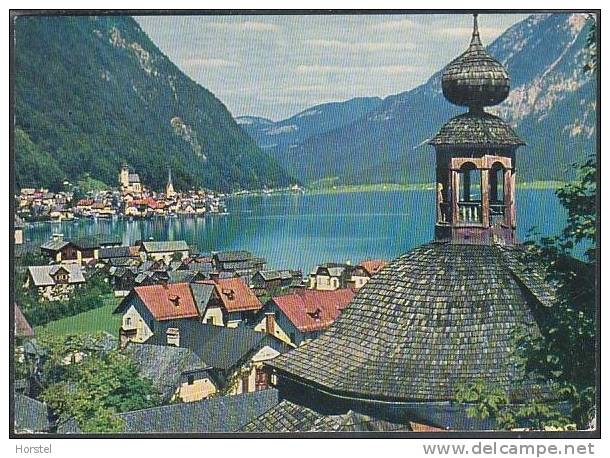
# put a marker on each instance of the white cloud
(376, 69)
(363, 46)
(396, 24)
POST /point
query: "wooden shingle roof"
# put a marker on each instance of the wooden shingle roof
(476, 130)
(289, 417)
(434, 318)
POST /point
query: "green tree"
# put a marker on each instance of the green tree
(83, 380)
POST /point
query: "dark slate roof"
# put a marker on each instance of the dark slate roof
(289, 417)
(434, 318)
(30, 415)
(163, 365)
(202, 293)
(165, 246)
(233, 256)
(218, 414)
(219, 346)
(476, 130)
(115, 252)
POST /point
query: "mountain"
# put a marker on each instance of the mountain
(276, 137)
(92, 93)
(551, 105)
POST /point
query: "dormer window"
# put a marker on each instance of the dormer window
(229, 293)
(175, 300)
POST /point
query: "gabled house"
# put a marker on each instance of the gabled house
(166, 250)
(146, 307)
(232, 304)
(240, 263)
(273, 281)
(330, 276)
(81, 251)
(54, 282)
(363, 272)
(235, 355)
(303, 315)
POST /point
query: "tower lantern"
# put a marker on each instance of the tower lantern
(475, 153)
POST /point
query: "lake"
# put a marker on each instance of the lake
(300, 231)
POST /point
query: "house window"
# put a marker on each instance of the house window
(128, 321)
(261, 379)
(209, 320)
(191, 379)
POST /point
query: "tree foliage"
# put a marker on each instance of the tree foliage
(85, 381)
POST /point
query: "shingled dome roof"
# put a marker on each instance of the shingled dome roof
(434, 318)
(476, 129)
(475, 78)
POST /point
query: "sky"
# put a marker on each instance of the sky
(275, 66)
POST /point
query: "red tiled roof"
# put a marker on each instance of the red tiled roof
(236, 296)
(300, 307)
(22, 327)
(372, 266)
(158, 299)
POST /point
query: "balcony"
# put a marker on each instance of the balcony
(470, 212)
(496, 213)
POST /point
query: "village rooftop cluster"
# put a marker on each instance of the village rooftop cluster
(199, 325)
(131, 199)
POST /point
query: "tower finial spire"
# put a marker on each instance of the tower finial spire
(476, 38)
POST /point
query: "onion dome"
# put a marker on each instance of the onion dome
(475, 79)
(433, 319)
(476, 129)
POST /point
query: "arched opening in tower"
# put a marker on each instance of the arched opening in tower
(469, 204)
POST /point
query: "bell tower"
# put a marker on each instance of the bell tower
(475, 153)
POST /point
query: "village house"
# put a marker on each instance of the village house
(235, 356)
(240, 263)
(273, 281)
(330, 276)
(232, 304)
(363, 272)
(165, 250)
(146, 307)
(303, 315)
(54, 282)
(80, 251)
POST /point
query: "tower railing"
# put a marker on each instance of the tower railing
(470, 212)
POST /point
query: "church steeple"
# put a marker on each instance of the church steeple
(475, 152)
(169, 189)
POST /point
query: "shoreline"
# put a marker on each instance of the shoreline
(386, 187)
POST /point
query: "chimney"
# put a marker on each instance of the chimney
(173, 336)
(175, 300)
(270, 323)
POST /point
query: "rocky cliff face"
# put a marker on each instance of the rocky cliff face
(94, 92)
